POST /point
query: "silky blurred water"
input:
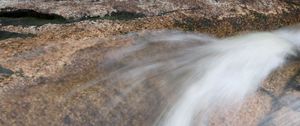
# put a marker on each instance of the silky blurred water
(201, 74)
(162, 78)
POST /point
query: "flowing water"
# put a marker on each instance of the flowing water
(202, 74)
(163, 78)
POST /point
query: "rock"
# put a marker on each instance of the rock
(63, 56)
(297, 2)
(5, 35)
(51, 100)
(4, 72)
(70, 9)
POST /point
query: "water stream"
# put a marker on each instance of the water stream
(202, 74)
(164, 78)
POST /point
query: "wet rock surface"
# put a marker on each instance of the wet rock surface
(38, 72)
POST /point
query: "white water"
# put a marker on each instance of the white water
(239, 65)
(204, 73)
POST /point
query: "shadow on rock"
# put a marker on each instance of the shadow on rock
(6, 35)
(4, 72)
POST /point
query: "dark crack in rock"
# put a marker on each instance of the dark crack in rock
(6, 35)
(4, 72)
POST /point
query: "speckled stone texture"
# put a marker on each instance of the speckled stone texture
(91, 8)
(40, 70)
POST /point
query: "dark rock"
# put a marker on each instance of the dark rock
(4, 72)
(6, 35)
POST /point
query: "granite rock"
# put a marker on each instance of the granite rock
(60, 57)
